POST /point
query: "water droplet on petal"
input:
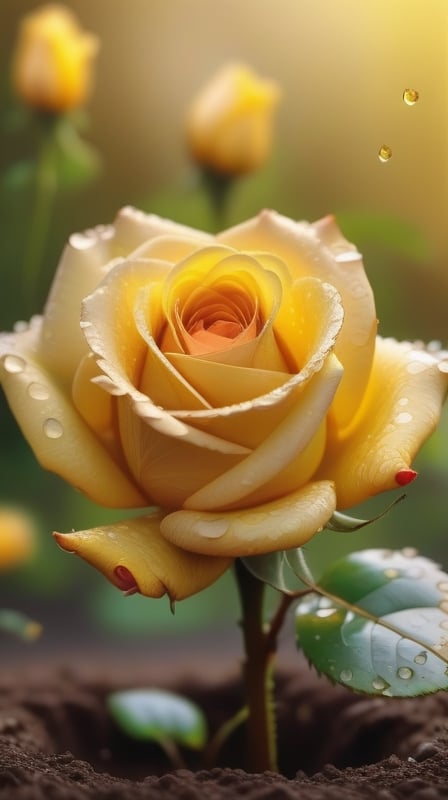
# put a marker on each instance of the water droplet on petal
(211, 528)
(443, 366)
(410, 96)
(20, 326)
(13, 364)
(421, 658)
(346, 675)
(403, 418)
(409, 552)
(347, 257)
(405, 673)
(384, 153)
(38, 391)
(403, 401)
(52, 428)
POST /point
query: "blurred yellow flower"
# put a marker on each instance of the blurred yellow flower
(229, 124)
(52, 62)
(16, 536)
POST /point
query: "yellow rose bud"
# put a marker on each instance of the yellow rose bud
(52, 63)
(235, 381)
(16, 537)
(229, 124)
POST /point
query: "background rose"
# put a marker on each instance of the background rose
(235, 381)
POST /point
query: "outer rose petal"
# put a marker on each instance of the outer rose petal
(279, 525)
(154, 566)
(61, 440)
(321, 251)
(401, 409)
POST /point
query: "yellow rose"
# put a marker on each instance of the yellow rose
(52, 63)
(236, 382)
(229, 124)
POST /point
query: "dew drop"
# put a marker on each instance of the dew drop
(38, 391)
(52, 428)
(410, 96)
(403, 418)
(326, 612)
(405, 673)
(347, 257)
(421, 658)
(443, 366)
(384, 153)
(13, 364)
(346, 675)
(403, 401)
(379, 684)
(391, 573)
(20, 326)
(409, 552)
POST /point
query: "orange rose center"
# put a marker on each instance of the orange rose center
(217, 318)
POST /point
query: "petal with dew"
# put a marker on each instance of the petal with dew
(321, 251)
(280, 525)
(292, 437)
(401, 409)
(59, 437)
(134, 227)
(136, 558)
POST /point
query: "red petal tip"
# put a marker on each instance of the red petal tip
(405, 476)
(125, 580)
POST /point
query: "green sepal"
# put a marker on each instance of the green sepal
(343, 523)
(276, 570)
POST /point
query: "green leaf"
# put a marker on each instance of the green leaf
(275, 570)
(18, 624)
(378, 623)
(157, 715)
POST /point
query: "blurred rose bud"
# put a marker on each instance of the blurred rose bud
(17, 536)
(52, 62)
(229, 123)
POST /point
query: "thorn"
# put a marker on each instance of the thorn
(405, 476)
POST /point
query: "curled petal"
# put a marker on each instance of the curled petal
(58, 435)
(289, 439)
(401, 409)
(321, 251)
(136, 558)
(280, 525)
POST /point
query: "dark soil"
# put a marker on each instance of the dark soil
(57, 741)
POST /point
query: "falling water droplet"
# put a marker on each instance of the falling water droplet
(410, 96)
(384, 153)
(53, 428)
(404, 673)
(13, 364)
(38, 391)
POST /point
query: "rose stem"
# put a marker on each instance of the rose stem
(257, 673)
(45, 187)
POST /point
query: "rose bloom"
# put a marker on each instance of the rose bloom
(229, 124)
(52, 62)
(234, 381)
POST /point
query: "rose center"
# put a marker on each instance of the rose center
(214, 318)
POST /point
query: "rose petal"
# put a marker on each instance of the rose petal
(288, 440)
(58, 435)
(299, 245)
(280, 525)
(133, 228)
(401, 409)
(135, 557)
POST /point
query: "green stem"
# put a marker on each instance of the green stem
(45, 188)
(257, 671)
